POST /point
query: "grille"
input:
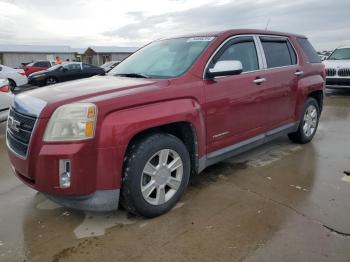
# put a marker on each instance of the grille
(331, 71)
(19, 131)
(344, 72)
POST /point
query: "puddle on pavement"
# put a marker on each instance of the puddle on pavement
(346, 178)
(47, 205)
(96, 224)
(264, 157)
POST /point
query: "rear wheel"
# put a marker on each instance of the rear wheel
(308, 124)
(156, 174)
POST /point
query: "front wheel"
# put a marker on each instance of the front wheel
(156, 174)
(308, 124)
(50, 81)
(12, 85)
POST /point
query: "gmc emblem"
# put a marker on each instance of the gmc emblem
(13, 124)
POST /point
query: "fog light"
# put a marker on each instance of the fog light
(64, 173)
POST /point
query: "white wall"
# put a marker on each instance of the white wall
(15, 59)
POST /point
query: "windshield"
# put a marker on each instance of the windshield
(163, 59)
(340, 54)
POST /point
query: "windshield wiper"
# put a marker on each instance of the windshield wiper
(136, 75)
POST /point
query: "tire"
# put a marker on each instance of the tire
(308, 123)
(50, 81)
(12, 85)
(143, 158)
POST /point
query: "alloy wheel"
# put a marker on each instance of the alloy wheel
(310, 121)
(161, 177)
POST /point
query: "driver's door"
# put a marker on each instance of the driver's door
(235, 109)
(71, 72)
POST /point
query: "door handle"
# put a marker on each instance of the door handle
(299, 73)
(259, 81)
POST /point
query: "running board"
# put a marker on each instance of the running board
(236, 149)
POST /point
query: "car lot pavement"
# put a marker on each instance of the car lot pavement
(281, 202)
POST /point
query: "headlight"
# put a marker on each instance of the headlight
(72, 122)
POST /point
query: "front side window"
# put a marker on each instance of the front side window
(240, 49)
(340, 54)
(164, 58)
(278, 52)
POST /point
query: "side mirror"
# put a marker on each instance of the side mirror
(225, 68)
(64, 69)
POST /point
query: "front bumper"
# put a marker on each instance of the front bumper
(337, 82)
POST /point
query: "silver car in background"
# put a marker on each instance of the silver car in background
(5, 99)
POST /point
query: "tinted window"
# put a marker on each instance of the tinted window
(72, 66)
(42, 64)
(242, 50)
(278, 52)
(309, 51)
(87, 66)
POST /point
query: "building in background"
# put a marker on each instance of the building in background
(98, 55)
(15, 55)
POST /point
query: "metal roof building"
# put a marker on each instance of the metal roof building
(14, 55)
(98, 55)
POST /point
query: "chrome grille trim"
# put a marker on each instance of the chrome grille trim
(344, 72)
(331, 71)
(18, 139)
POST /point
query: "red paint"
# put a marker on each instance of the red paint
(127, 107)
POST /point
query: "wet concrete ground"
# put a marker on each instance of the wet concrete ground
(281, 202)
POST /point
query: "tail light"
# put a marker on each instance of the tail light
(5, 89)
(22, 73)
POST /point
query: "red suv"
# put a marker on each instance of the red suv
(37, 66)
(170, 110)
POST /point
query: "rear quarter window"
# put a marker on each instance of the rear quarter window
(308, 50)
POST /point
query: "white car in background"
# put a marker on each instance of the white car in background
(16, 77)
(5, 99)
(338, 68)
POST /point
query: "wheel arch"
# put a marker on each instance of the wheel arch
(182, 130)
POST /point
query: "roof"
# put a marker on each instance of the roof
(36, 49)
(79, 51)
(113, 49)
(239, 32)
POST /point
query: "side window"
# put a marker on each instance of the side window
(72, 67)
(309, 51)
(278, 52)
(242, 49)
(41, 64)
(87, 66)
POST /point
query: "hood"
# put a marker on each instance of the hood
(32, 102)
(337, 63)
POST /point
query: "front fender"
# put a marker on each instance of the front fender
(119, 127)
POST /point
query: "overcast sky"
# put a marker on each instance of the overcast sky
(80, 23)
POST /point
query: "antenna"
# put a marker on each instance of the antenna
(267, 23)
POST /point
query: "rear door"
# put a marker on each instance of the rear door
(235, 110)
(281, 74)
